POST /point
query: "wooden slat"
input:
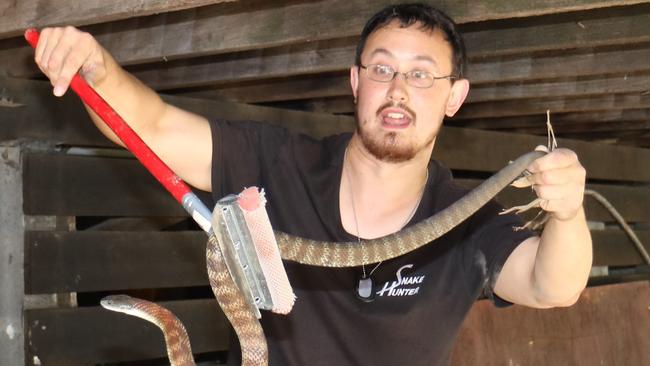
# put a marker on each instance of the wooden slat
(330, 56)
(567, 64)
(608, 131)
(64, 120)
(615, 248)
(555, 105)
(630, 201)
(209, 30)
(259, 91)
(20, 15)
(75, 336)
(87, 261)
(12, 254)
(507, 108)
(643, 140)
(56, 184)
(100, 261)
(324, 86)
(333, 105)
(585, 128)
(619, 84)
(305, 58)
(560, 120)
(292, 23)
(589, 29)
(602, 161)
(41, 116)
(93, 335)
(608, 326)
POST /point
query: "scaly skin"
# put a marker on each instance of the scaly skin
(179, 350)
(351, 254)
(234, 306)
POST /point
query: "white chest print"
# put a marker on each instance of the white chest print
(404, 286)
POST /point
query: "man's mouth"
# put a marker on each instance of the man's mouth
(395, 118)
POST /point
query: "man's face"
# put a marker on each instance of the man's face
(395, 120)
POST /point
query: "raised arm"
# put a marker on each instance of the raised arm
(552, 270)
(181, 139)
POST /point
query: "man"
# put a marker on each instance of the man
(408, 76)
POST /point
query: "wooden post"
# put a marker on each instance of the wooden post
(11, 256)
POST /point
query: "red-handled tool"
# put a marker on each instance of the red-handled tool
(172, 182)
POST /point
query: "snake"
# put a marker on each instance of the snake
(315, 253)
(180, 353)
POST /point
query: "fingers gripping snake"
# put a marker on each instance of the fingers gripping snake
(328, 254)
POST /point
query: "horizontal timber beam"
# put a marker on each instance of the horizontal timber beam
(319, 57)
(105, 261)
(209, 30)
(94, 335)
(620, 84)
(558, 119)
(325, 86)
(295, 61)
(578, 31)
(20, 15)
(602, 161)
(507, 108)
(629, 201)
(555, 105)
(585, 131)
(41, 116)
(264, 91)
(606, 326)
(78, 261)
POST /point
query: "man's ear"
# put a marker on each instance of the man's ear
(459, 91)
(354, 81)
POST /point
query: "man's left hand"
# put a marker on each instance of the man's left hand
(558, 179)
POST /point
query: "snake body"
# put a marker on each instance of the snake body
(179, 350)
(328, 254)
(351, 254)
(234, 306)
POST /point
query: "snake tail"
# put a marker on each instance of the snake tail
(179, 350)
(234, 305)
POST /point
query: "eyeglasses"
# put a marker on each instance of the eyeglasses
(417, 78)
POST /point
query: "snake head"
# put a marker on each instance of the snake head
(119, 303)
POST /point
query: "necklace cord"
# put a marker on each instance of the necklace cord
(354, 212)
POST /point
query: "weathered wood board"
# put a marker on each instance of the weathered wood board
(608, 326)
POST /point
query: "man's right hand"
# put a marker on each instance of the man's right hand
(180, 138)
(63, 51)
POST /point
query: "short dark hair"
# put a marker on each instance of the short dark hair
(429, 18)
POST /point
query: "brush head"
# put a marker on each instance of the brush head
(252, 203)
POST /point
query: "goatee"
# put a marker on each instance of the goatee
(386, 146)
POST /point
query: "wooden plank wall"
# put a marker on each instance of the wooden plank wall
(584, 60)
(70, 257)
(98, 223)
(12, 286)
(608, 326)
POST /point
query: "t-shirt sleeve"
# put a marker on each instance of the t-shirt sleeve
(240, 153)
(493, 238)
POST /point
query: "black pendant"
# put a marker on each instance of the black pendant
(365, 290)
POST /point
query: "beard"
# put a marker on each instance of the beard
(389, 146)
(386, 146)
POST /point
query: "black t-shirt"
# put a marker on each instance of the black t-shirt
(421, 298)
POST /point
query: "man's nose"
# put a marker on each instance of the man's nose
(398, 89)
